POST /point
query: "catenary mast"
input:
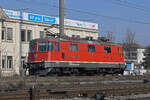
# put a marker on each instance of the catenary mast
(61, 18)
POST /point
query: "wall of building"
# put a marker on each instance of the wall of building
(140, 55)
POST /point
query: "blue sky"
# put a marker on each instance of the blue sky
(98, 11)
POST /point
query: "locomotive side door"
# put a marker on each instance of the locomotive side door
(54, 53)
(50, 50)
(57, 51)
(91, 50)
(64, 50)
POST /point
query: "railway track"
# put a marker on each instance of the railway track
(72, 78)
(71, 92)
(65, 87)
(69, 81)
(43, 88)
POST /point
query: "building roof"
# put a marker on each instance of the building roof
(2, 14)
(80, 40)
(49, 19)
(133, 45)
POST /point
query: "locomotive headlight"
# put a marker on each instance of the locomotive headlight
(43, 60)
(35, 55)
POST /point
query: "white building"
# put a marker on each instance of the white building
(134, 65)
(140, 56)
(18, 29)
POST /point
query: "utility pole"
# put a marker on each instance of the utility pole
(20, 44)
(21, 69)
(61, 18)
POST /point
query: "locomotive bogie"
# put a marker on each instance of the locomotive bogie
(77, 68)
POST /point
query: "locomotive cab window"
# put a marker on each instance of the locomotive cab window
(32, 47)
(107, 49)
(42, 46)
(91, 48)
(73, 47)
(57, 46)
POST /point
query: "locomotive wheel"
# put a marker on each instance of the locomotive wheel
(74, 72)
(31, 72)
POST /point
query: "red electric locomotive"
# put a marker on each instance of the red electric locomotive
(58, 56)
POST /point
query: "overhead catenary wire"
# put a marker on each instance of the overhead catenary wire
(133, 4)
(108, 17)
(93, 14)
(38, 3)
(130, 5)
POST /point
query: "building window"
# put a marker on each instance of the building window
(29, 35)
(134, 54)
(57, 47)
(41, 34)
(9, 33)
(23, 36)
(23, 59)
(91, 48)
(73, 47)
(107, 49)
(9, 62)
(26, 35)
(3, 62)
(3, 34)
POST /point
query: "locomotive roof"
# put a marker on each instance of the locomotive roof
(77, 41)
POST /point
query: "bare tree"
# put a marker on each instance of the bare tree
(0, 61)
(129, 45)
(2, 51)
(110, 36)
(130, 37)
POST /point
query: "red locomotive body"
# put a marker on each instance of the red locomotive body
(74, 57)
